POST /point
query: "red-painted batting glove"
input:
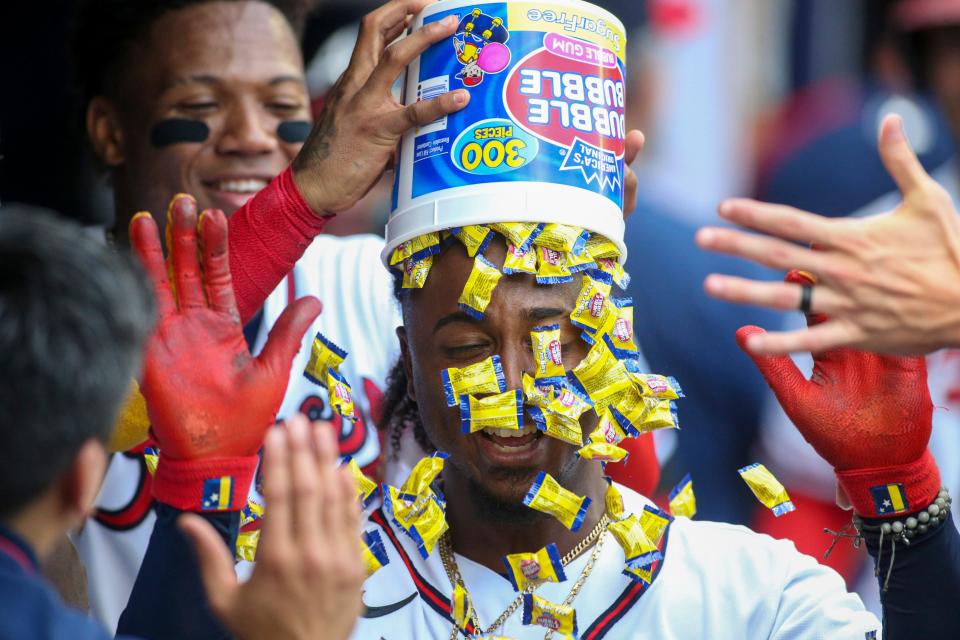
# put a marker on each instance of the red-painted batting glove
(209, 401)
(867, 415)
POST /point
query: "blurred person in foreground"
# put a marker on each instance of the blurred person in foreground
(70, 347)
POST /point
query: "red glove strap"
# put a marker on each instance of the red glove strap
(210, 484)
(887, 492)
(267, 236)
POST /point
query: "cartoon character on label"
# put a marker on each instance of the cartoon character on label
(479, 42)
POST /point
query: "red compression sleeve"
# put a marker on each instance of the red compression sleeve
(267, 236)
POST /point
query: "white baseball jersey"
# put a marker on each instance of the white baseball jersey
(359, 314)
(715, 581)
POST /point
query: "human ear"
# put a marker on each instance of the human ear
(105, 132)
(81, 482)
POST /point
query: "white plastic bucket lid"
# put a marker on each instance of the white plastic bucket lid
(542, 139)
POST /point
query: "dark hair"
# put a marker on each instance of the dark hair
(400, 412)
(106, 31)
(73, 318)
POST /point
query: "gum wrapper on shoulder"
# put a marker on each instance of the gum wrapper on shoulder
(340, 394)
(682, 501)
(324, 355)
(548, 496)
(423, 519)
(374, 552)
(767, 489)
(654, 522)
(518, 261)
(638, 549)
(479, 288)
(422, 475)
(473, 237)
(593, 307)
(485, 376)
(559, 618)
(526, 570)
(367, 489)
(547, 354)
(502, 411)
(462, 606)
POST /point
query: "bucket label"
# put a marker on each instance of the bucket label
(547, 100)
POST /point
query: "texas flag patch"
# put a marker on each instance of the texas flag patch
(889, 498)
(217, 494)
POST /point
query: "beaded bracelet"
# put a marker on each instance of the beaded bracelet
(897, 531)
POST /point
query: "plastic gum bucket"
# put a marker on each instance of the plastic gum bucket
(542, 139)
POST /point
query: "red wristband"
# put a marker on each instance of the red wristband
(267, 236)
(210, 484)
(884, 492)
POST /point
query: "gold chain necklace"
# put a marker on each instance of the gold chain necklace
(453, 573)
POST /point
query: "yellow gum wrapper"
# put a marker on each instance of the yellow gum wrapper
(151, 458)
(767, 489)
(613, 501)
(418, 247)
(415, 272)
(640, 574)
(340, 395)
(638, 414)
(374, 552)
(562, 238)
(617, 329)
(367, 489)
(502, 411)
(474, 237)
(602, 376)
(576, 263)
(479, 287)
(485, 376)
(133, 425)
(251, 513)
(638, 549)
(593, 308)
(518, 261)
(247, 543)
(536, 395)
(613, 268)
(527, 570)
(569, 403)
(521, 234)
(422, 519)
(548, 496)
(607, 431)
(682, 501)
(324, 355)
(559, 618)
(655, 385)
(602, 452)
(654, 522)
(558, 425)
(547, 354)
(599, 246)
(422, 475)
(552, 266)
(462, 607)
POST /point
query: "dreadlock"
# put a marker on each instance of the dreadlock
(400, 411)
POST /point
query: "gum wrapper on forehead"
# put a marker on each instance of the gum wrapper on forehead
(479, 287)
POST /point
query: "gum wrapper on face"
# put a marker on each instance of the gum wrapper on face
(520, 234)
(682, 501)
(485, 376)
(601, 376)
(593, 307)
(560, 618)
(324, 355)
(427, 244)
(552, 267)
(548, 496)
(557, 425)
(518, 261)
(563, 238)
(767, 489)
(547, 355)
(479, 287)
(474, 237)
(530, 569)
(638, 549)
(374, 552)
(502, 411)
(602, 452)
